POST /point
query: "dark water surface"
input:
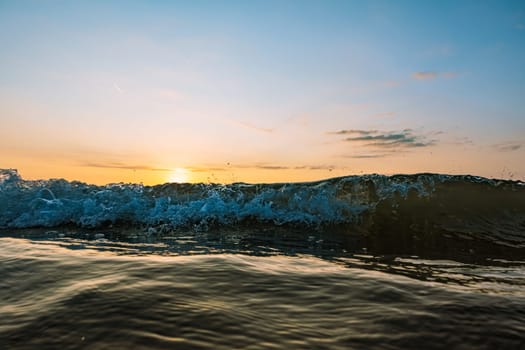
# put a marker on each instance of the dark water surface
(222, 290)
(423, 261)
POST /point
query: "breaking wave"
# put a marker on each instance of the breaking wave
(461, 205)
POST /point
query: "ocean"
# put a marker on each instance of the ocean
(424, 261)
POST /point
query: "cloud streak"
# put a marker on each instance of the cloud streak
(281, 167)
(248, 125)
(384, 115)
(427, 75)
(369, 156)
(386, 140)
(508, 146)
(206, 170)
(353, 131)
(431, 75)
(263, 166)
(116, 165)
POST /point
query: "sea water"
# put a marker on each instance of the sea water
(368, 262)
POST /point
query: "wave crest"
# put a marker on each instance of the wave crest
(423, 202)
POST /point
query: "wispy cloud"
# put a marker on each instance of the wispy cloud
(406, 138)
(384, 115)
(430, 75)
(315, 167)
(206, 169)
(353, 131)
(508, 146)
(270, 167)
(462, 141)
(427, 75)
(116, 165)
(262, 166)
(251, 126)
(366, 156)
(282, 167)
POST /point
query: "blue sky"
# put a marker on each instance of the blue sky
(263, 87)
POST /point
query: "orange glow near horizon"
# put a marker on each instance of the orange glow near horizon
(488, 165)
(443, 159)
(188, 92)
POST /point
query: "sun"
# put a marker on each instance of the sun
(179, 175)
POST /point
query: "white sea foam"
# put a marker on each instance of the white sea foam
(50, 203)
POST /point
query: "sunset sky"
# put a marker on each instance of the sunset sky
(261, 91)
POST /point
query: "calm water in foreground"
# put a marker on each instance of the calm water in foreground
(65, 290)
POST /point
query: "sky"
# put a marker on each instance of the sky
(261, 91)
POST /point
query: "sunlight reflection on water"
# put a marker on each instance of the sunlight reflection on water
(71, 292)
